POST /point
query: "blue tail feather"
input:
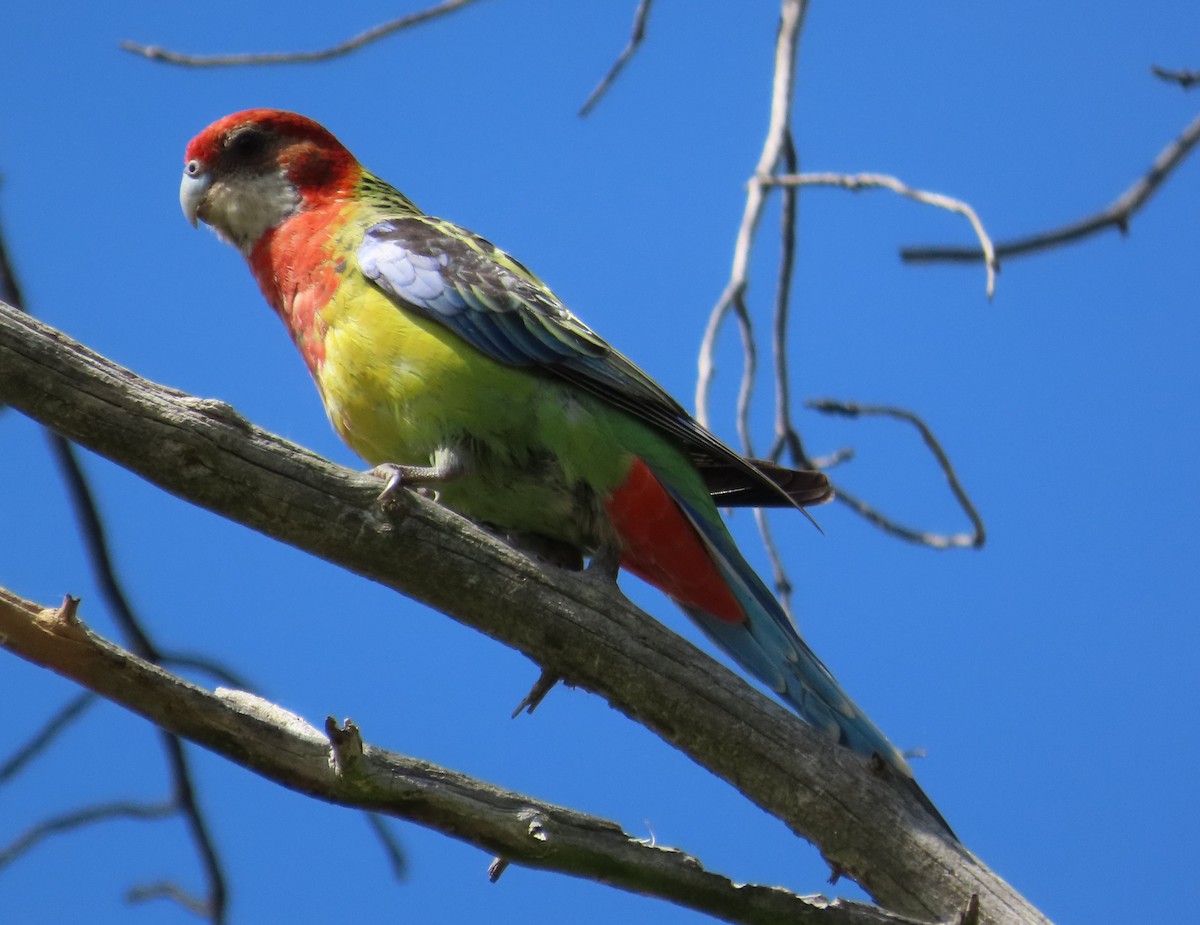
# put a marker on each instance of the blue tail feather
(770, 647)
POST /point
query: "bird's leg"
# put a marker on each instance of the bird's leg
(606, 562)
(448, 464)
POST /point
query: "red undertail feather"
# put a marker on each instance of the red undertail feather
(660, 545)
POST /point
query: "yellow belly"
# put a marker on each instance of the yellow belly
(398, 387)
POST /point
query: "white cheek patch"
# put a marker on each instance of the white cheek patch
(241, 208)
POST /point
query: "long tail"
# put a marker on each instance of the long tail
(690, 555)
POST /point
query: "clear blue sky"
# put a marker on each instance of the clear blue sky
(1050, 677)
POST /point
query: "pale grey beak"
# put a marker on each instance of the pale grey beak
(192, 191)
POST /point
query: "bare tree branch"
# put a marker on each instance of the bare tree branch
(778, 137)
(640, 15)
(975, 539)
(156, 53)
(1185, 79)
(868, 824)
(391, 846)
(1118, 215)
(861, 181)
(87, 515)
(90, 815)
(786, 434)
(165, 889)
(50, 730)
(341, 769)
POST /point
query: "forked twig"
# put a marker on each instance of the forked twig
(860, 181)
(156, 53)
(975, 539)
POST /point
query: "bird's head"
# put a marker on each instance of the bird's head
(251, 171)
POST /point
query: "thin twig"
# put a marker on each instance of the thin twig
(391, 845)
(790, 21)
(745, 394)
(1186, 79)
(95, 540)
(975, 539)
(40, 740)
(10, 288)
(67, 822)
(156, 53)
(1118, 215)
(209, 667)
(165, 889)
(785, 432)
(861, 181)
(185, 798)
(635, 40)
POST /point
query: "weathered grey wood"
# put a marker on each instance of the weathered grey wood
(866, 825)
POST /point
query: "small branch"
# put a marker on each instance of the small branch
(217, 901)
(749, 370)
(1118, 215)
(10, 288)
(521, 829)
(975, 539)
(95, 540)
(1185, 79)
(635, 40)
(41, 739)
(156, 53)
(391, 845)
(207, 666)
(861, 181)
(165, 889)
(778, 137)
(68, 822)
(541, 687)
(785, 432)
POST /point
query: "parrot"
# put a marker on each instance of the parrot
(447, 365)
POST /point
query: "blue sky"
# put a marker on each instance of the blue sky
(1050, 677)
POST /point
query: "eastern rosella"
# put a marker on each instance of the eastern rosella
(438, 353)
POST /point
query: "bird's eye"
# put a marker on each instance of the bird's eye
(192, 168)
(246, 144)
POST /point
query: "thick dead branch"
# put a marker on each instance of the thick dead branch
(867, 825)
(1118, 215)
(282, 748)
(156, 53)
